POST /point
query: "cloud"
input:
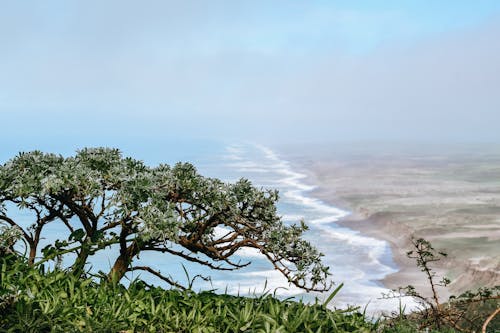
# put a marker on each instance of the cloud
(271, 72)
(443, 89)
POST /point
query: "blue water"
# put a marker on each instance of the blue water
(354, 259)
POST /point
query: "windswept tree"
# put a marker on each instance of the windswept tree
(103, 199)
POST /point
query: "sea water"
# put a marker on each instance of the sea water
(357, 261)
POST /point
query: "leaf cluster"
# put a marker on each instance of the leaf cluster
(103, 199)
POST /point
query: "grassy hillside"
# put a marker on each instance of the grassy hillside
(35, 301)
(32, 301)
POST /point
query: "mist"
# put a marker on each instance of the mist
(111, 73)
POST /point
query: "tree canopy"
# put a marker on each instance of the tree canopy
(103, 198)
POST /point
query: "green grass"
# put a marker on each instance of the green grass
(32, 300)
(58, 302)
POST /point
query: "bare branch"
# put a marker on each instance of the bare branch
(157, 274)
(490, 318)
(186, 256)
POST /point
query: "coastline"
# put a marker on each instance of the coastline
(382, 226)
(444, 199)
(379, 226)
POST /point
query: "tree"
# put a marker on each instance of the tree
(103, 199)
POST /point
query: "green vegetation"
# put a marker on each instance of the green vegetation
(35, 301)
(103, 199)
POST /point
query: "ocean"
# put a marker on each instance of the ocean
(357, 261)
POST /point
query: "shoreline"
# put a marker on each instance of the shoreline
(372, 226)
(381, 227)
(378, 226)
(391, 201)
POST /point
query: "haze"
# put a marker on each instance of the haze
(88, 72)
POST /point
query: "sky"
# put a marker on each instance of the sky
(82, 73)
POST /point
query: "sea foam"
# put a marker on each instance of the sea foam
(356, 260)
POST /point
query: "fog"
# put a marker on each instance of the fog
(87, 72)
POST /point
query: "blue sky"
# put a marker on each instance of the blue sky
(75, 73)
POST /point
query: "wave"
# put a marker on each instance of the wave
(357, 260)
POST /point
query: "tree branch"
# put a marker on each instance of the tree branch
(157, 274)
(77, 210)
(490, 318)
(14, 224)
(197, 260)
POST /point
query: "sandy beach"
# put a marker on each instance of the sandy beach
(449, 196)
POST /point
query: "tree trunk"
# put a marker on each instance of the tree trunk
(122, 263)
(81, 260)
(32, 256)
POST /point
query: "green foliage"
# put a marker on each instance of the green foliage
(58, 302)
(8, 237)
(103, 199)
